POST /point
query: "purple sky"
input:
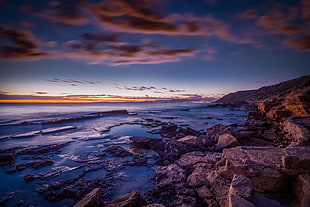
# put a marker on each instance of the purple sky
(147, 48)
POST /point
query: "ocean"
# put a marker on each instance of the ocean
(83, 130)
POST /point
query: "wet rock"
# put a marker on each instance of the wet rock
(241, 186)
(168, 130)
(147, 143)
(57, 129)
(37, 164)
(7, 158)
(171, 188)
(117, 151)
(92, 199)
(133, 199)
(28, 134)
(39, 150)
(30, 177)
(226, 141)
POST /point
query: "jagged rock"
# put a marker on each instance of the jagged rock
(238, 201)
(297, 132)
(261, 164)
(297, 158)
(133, 199)
(92, 199)
(173, 151)
(191, 140)
(241, 186)
(226, 141)
(302, 190)
(30, 177)
(201, 157)
(117, 151)
(215, 131)
(171, 188)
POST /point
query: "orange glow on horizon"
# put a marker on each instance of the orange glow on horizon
(75, 101)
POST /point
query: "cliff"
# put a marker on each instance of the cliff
(267, 92)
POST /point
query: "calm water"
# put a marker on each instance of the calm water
(86, 139)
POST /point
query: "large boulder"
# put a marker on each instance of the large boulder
(261, 164)
(226, 141)
(241, 186)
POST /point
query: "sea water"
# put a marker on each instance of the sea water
(85, 136)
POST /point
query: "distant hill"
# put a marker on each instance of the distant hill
(266, 92)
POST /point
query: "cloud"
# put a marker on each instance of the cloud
(72, 82)
(61, 13)
(19, 45)
(27, 24)
(301, 44)
(275, 22)
(148, 88)
(306, 9)
(41, 93)
(135, 16)
(249, 14)
(102, 49)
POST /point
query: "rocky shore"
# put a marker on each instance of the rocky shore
(263, 162)
(266, 162)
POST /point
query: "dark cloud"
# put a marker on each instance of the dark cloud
(306, 9)
(148, 88)
(19, 45)
(41, 93)
(99, 49)
(72, 82)
(65, 12)
(276, 22)
(300, 44)
(250, 14)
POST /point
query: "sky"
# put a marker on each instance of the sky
(149, 50)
